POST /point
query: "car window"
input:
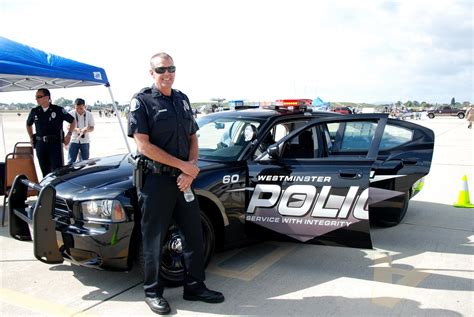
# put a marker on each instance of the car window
(276, 133)
(394, 136)
(334, 140)
(357, 136)
(302, 146)
(226, 138)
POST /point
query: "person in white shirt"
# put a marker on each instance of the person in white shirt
(80, 141)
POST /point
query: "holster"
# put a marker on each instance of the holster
(139, 169)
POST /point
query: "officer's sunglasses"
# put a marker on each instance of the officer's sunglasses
(39, 97)
(162, 70)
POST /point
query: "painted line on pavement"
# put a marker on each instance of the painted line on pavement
(254, 269)
(35, 304)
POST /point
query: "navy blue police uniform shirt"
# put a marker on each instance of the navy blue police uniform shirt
(49, 122)
(167, 120)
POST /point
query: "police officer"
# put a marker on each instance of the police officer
(48, 138)
(162, 125)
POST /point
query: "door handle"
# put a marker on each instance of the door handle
(409, 161)
(351, 174)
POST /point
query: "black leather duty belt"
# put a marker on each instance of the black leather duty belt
(158, 168)
(48, 138)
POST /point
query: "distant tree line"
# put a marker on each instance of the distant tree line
(98, 105)
(62, 102)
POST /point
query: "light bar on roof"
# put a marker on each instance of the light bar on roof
(289, 104)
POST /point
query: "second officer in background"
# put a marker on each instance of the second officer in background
(162, 125)
(48, 137)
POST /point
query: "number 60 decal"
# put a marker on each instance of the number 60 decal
(230, 179)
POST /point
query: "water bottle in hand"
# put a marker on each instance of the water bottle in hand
(188, 195)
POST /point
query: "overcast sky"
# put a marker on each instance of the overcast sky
(359, 51)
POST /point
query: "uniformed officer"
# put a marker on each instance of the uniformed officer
(48, 137)
(162, 125)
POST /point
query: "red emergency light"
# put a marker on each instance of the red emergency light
(292, 104)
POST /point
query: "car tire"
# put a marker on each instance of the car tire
(390, 216)
(461, 115)
(172, 266)
(431, 115)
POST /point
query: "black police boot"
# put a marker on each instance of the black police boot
(198, 291)
(158, 305)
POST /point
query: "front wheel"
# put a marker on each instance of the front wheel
(172, 268)
(431, 115)
(461, 115)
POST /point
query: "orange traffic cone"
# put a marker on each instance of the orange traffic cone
(463, 197)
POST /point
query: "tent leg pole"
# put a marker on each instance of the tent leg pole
(119, 120)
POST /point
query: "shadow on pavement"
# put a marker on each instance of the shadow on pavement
(283, 286)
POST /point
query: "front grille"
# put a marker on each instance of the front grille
(61, 208)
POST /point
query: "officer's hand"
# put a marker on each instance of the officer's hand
(190, 169)
(67, 139)
(184, 182)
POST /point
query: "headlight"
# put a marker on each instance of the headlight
(103, 211)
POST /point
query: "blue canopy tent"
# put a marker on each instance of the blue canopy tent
(320, 104)
(26, 68)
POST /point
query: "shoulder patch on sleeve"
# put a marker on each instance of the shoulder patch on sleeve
(134, 104)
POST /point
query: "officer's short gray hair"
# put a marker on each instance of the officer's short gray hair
(161, 55)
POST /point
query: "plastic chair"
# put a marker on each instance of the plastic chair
(23, 148)
(18, 163)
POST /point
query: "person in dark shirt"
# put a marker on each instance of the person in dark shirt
(163, 127)
(49, 136)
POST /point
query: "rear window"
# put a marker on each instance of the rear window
(357, 136)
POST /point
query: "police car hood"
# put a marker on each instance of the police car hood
(98, 177)
(111, 175)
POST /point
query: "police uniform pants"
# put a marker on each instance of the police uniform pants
(161, 200)
(50, 156)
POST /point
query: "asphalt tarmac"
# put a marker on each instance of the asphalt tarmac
(422, 267)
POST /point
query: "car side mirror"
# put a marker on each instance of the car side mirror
(274, 151)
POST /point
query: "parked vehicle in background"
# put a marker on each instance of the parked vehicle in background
(206, 109)
(445, 111)
(342, 110)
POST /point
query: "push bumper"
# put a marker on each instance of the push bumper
(55, 240)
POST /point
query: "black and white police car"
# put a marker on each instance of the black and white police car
(281, 173)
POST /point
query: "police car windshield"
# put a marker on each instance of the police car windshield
(224, 139)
